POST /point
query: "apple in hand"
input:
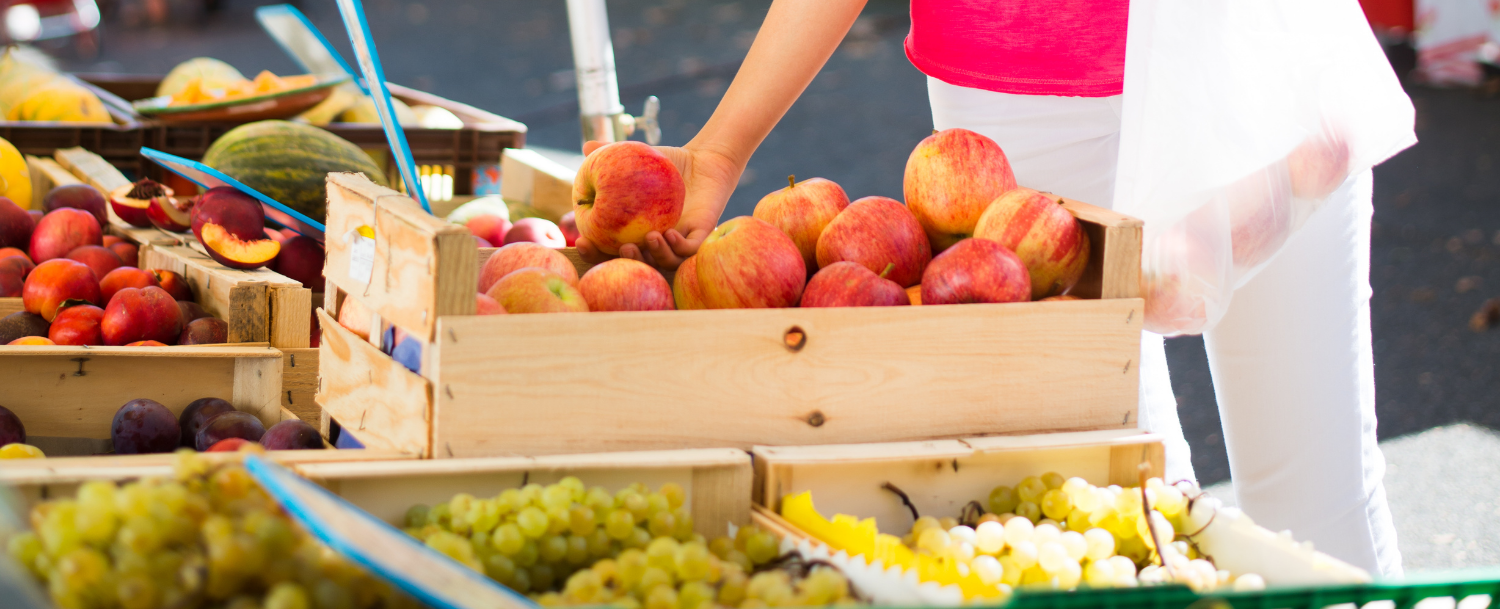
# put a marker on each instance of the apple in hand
(686, 293)
(973, 271)
(1047, 238)
(534, 290)
(802, 210)
(520, 255)
(623, 284)
(850, 284)
(622, 192)
(536, 230)
(951, 177)
(877, 232)
(747, 263)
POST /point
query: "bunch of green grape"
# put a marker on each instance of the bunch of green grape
(566, 544)
(207, 537)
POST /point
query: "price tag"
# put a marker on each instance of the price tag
(361, 254)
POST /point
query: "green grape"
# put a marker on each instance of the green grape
(823, 586)
(136, 592)
(661, 524)
(521, 581)
(508, 539)
(1053, 480)
(1003, 500)
(1056, 504)
(416, 515)
(531, 494)
(692, 561)
(557, 497)
(599, 500)
(762, 548)
(287, 595)
(327, 594)
(662, 553)
(581, 521)
(772, 587)
(500, 568)
(653, 577)
(661, 597)
(657, 502)
(485, 515)
(459, 507)
(732, 589)
(639, 537)
(1078, 520)
(528, 554)
(25, 547)
(542, 576)
(1029, 511)
(721, 546)
(599, 543)
(439, 515)
(583, 586)
(558, 521)
(674, 493)
(619, 524)
(533, 522)
(509, 501)
(742, 536)
(695, 594)
(573, 484)
(1031, 489)
(59, 528)
(552, 548)
(638, 506)
(632, 567)
(682, 527)
(739, 558)
(578, 550)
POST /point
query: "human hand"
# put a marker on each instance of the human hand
(709, 178)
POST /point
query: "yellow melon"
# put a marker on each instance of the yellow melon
(341, 99)
(60, 101)
(363, 111)
(211, 74)
(15, 180)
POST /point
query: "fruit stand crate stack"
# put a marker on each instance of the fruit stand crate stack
(463, 156)
(119, 141)
(550, 384)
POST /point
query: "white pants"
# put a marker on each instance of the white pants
(1294, 376)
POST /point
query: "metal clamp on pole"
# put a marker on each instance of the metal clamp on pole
(601, 115)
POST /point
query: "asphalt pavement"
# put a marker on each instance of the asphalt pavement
(1436, 228)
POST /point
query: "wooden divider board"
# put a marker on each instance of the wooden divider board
(717, 481)
(299, 383)
(538, 181)
(259, 305)
(73, 392)
(940, 476)
(384, 405)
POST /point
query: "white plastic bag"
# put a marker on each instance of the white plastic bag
(1239, 119)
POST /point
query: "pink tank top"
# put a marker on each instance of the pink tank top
(1070, 48)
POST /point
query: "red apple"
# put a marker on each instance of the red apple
(124, 277)
(1260, 217)
(749, 264)
(802, 210)
(99, 259)
(141, 314)
(490, 227)
(1318, 165)
(356, 318)
(622, 192)
(623, 284)
(61, 231)
(77, 325)
(237, 213)
(15, 225)
(521, 255)
(55, 281)
(877, 232)
(78, 196)
(535, 290)
(132, 202)
(951, 177)
(301, 260)
(536, 230)
(235, 253)
(128, 253)
(569, 226)
(480, 242)
(484, 305)
(850, 284)
(174, 284)
(686, 292)
(1047, 238)
(975, 270)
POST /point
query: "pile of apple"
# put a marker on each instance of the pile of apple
(966, 234)
(77, 291)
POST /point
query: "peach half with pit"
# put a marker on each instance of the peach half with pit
(132, 201)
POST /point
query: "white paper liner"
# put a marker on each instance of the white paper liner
(880, 585)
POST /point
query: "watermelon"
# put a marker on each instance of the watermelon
(289, 162)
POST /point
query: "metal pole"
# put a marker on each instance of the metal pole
(600, 114)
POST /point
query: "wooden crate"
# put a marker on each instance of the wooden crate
(717, 481)
(259, 305)
(551, 384)
(940, 476)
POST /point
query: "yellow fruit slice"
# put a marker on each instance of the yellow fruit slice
(15, 180)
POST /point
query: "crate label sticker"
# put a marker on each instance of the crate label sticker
(361, 254)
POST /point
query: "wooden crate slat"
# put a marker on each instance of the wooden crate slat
(46, 174)
(259, 305)
(299, 383)
(291, 316)
(378, 400)
(538, 181)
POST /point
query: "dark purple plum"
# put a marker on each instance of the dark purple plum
(144, 426)
(197, 414)
(191, 310)
(11, 429)
(230, 425)
(22, 324)
(291, 434)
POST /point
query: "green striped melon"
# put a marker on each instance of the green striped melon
(289, 162)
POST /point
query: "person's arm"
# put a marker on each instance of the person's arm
(795, 41)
